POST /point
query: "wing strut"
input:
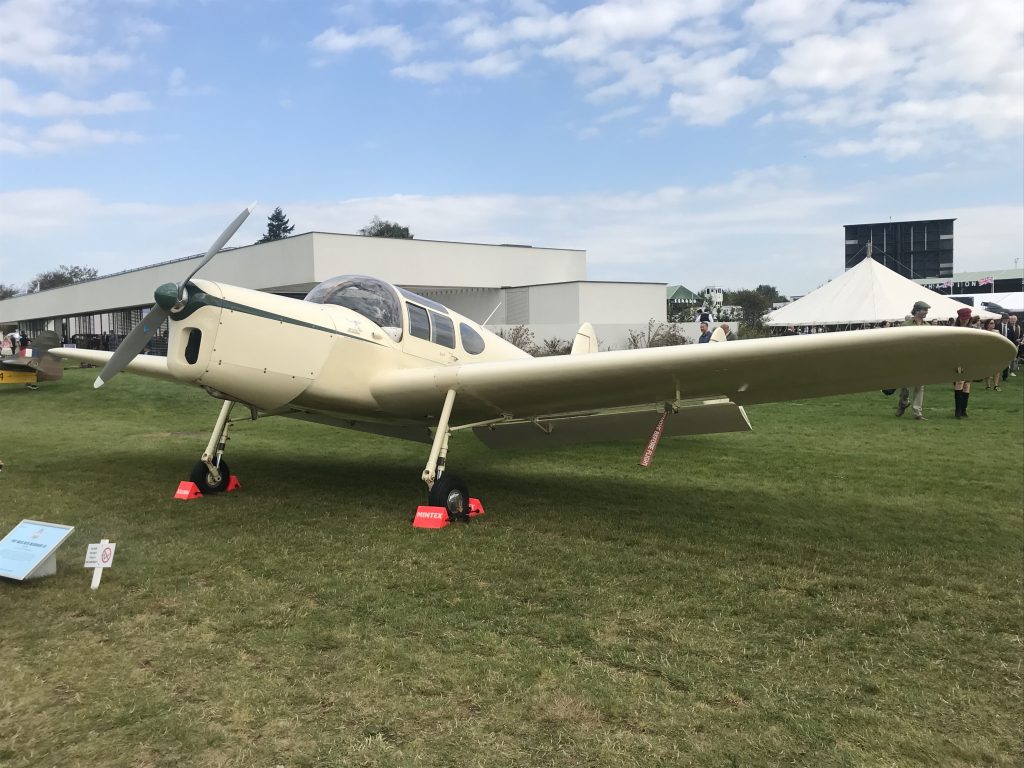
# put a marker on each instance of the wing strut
(439, 448)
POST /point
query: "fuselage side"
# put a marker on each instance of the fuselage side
(271, 351)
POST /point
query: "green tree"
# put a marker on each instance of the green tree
(278, 227)
(771, 293)
(61, 276)
(522, 337)
(380, 228)
(6, 291)
(553, 346)
(753, 305)
(656, 334)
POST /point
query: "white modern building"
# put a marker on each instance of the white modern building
(544, 289)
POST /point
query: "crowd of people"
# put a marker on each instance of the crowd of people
(13, 342)
(706, 333)
(1006, 326)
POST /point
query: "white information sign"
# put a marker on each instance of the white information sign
(30, 549)
(99, 556)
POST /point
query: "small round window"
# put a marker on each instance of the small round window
(472, 341)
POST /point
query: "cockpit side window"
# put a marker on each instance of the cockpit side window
(373, 299)
(472, 341)
(419, 323)
(443, 330)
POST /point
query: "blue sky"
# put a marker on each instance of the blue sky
(682, 141)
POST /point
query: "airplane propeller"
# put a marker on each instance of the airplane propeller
(170, 298)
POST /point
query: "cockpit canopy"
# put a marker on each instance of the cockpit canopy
(374, 299)
(381, 303)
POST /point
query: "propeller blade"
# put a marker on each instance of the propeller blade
(133, 343)
(224, 237)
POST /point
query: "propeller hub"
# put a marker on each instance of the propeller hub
(166, 296)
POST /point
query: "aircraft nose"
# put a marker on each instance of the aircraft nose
(166, 296)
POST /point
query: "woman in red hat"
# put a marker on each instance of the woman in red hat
(962, 389)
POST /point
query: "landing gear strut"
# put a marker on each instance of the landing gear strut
(211, 473)
(445, 489)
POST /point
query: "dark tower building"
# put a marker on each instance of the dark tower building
(914, 249)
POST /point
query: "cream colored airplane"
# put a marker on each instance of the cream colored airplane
(363, 354)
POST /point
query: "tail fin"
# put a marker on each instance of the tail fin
(585, 341)
(48, 367)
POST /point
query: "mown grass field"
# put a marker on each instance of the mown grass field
(837, 588)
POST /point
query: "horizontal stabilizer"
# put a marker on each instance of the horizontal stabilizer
(34, 359)
(697, 418)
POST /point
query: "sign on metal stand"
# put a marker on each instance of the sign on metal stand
(30, 549)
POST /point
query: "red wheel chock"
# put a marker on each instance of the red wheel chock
(189, 490)
(437, 517)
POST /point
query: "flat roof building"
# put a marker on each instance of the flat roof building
(544, 289)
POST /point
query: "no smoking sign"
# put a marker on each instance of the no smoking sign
(99, 556)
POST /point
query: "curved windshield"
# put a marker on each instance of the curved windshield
(374, 299)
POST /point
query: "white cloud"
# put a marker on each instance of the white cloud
(391, 39)
(494, 65)
(138, 31)
(58, 137)
(834, 63)
(783, 20)
(826, 63)
(491, 66)
(427, 71)
(718, 103)
(53, 104)
(42, 208)
(51, 37)
(893, 147)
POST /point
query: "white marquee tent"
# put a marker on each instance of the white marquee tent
(867, 293)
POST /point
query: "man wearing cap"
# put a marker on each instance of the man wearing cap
(917, 317)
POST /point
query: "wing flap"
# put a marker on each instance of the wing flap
(700, 418)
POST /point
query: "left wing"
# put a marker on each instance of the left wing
(746, 371)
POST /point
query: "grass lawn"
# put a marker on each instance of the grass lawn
(838, 588)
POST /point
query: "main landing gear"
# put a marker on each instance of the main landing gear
(211, 473)
(443, 488)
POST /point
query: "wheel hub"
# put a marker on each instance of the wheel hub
(455, 502)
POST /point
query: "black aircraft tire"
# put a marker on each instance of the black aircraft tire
(451, 493)
(201, 477)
